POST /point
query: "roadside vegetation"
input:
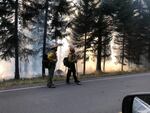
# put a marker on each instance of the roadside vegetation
(40, 81)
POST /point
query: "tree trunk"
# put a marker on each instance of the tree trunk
(44, 37)
(17, 76)
(84, 60)
(122, 61)
(149, 52)
(104, 56)
(104, 64)
(99, 59)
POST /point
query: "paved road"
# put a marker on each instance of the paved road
(103, 95)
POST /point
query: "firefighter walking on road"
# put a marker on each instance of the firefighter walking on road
(72, 59)
(52, 59)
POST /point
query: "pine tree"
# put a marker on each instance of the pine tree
(30, 10)
(143, 25)
(59, 10)
(82, 25)
(101, 37)
(123, 21)
(138, 40)
(7, 42)
(13, 45)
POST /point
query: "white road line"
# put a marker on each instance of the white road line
(98, 79)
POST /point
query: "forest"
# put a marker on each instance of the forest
(91, 25)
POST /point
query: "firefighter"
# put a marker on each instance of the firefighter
(72, 59)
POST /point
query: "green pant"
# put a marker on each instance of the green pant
(51, 70)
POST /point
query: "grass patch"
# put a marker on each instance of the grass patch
(22, 82)
(106, 74)
(6, 84)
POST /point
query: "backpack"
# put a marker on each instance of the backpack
(66, 62)
(45, 61)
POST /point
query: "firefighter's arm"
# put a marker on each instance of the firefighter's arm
(69, 58)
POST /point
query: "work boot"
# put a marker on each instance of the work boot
(53, 86)
(68, 83)
(78, 82)
(50, 85)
